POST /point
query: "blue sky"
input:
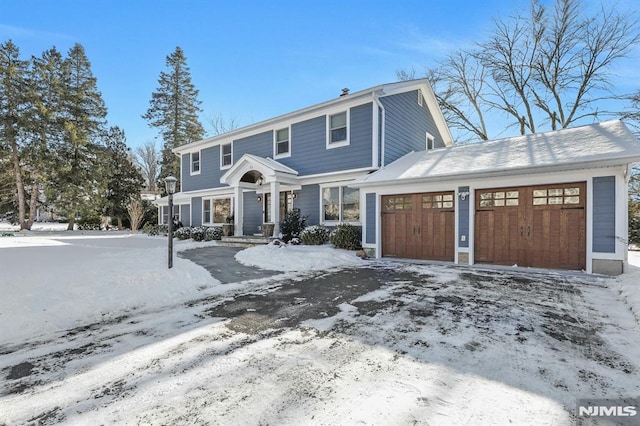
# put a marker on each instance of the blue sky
(252, 60)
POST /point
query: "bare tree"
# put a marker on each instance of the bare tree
(220, 124)
(148, 161)
(135, 209)
(547, 67)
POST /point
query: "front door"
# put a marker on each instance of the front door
(286, 205)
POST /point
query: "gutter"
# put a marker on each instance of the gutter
(376, 99)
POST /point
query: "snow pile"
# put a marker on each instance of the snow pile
(63, 281)
(37, 226)
(627, 285)
(288, 257)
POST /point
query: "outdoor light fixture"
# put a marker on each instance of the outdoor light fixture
(259, 198)
(294, 195)
(463, 195)
(170, 186)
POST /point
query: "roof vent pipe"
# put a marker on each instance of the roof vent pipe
(345, 92)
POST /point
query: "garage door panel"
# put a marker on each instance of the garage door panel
(540, 226)
(419, 226)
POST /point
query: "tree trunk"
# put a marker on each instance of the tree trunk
(19, 185)
(33, 205)
(72, 221)
(120, 223)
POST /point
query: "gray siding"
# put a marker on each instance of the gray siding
(309, 153)
(463, 218)
(604, 214)
(210, 172)
(185, 214)
(196, 213)
(406, 125)
(370, 211)
(253, 215)
(260, 145)
(308, 201)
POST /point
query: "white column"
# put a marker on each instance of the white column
(275, 207)
(238, 202)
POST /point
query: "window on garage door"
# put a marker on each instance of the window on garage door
(502, 198)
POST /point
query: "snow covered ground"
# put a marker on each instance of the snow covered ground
(95, 330)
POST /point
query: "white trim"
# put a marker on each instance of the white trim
(211, 201)
(375, 120)
(228, 166)
(333, 176)
(191, 172)
(287, 154)
(421, 101)
(430, 138)
(347, 141)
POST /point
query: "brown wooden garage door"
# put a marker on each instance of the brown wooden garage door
(539, 226)
(419, 226)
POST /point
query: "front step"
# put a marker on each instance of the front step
(244, 241)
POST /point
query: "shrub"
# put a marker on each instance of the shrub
(183, 233)
(315, 235)
(198, 233)
(634, 223)
(347, 236)
(213, 233)
(292, 225)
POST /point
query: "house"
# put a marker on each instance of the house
(305, 159)
(549, 200)
(384, 159)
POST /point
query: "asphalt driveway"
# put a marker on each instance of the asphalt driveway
(385, 343)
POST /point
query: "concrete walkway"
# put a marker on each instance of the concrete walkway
(222, 265)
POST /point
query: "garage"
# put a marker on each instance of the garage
(542, 226)
(419, 226)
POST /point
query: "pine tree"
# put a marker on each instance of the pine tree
(174, 109)
(83, 112)
(43, 127)
(13, 87)
(121, 180)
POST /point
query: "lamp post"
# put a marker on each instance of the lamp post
(170, 185)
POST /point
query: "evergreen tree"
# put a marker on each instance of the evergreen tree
(83, 112)
(43, 128)
(174, 109)
(13, 85)
(121, 180)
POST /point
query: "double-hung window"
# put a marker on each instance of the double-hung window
(282, 146)
(338, 130)
(195, 163)
(340, 204)
(226, 156)
(206, 211)
(431, 141)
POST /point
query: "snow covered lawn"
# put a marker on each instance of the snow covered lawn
(97, 331)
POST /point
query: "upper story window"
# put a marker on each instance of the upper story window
(282, 146)
(195, 163)
(431, 141)
(338, 130)
(226, 156)
(420, 98)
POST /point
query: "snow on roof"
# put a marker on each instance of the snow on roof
(602, 144)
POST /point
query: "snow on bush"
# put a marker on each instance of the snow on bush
(315, 235)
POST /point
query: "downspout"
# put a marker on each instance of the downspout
(382, 129)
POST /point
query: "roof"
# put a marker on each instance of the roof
(271, 164)
(597, 145)
(380, 91)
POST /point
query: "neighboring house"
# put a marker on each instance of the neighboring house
(549, 200)
(305, 159)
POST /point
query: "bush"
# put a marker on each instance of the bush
(347, 236)
(292, 225)
(315, 235)
(91, 223)
(213, 233)
(183, 233)
(198, 233)
(634, 223)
